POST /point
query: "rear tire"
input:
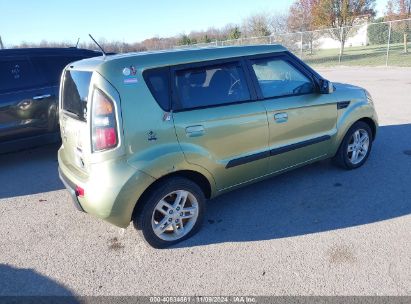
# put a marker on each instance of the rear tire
(355, 147)
(172, 211)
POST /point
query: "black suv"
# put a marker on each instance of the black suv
(29, 90)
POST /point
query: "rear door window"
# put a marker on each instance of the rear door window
(278, 77)
(212, 85)
(75, 93)
(17, 73)
(158, 82)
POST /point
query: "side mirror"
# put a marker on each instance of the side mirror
(326, 87)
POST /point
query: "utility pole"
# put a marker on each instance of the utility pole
(1, 44)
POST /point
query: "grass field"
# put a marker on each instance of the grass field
(374, 55)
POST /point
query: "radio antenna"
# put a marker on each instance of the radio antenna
(99, 46)
(78, 40)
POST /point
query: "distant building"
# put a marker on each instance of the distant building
(357, 37)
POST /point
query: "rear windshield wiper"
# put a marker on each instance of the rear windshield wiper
(73, 113)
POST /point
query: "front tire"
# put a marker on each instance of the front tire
(172, 212)
(355, 147)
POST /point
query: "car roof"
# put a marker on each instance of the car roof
(49, 51)
(153, 59)
(201, 54)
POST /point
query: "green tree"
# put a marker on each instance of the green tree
(235, 33)
(184, 40)
(378, 33)
(206, 39)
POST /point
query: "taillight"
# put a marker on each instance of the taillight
(103, 122)
(79, 191)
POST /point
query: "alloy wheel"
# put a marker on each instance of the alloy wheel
(358, 146)
(175, 215)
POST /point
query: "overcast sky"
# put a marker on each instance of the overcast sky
(126, 20)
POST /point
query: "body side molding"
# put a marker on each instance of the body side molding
(253, 157)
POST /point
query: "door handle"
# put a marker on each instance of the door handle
(39, 97)
(281, 117)
(194, 131)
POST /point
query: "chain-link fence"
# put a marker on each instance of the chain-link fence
(369, 44)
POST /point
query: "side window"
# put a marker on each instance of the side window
(211, 86)
(158, 82)
(52, 66)
(17, 74)
(277, 77)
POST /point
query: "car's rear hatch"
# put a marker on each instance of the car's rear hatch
(89, 134)
(74, 103)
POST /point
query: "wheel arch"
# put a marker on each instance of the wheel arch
(371, 123)
(201, 180)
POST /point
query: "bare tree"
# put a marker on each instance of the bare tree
(278, 23)
(257, 25)
(300, 19)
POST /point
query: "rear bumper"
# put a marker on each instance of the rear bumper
(111, 188)
(71, 189)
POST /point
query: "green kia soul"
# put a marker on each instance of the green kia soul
(148, 137)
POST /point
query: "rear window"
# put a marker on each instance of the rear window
(17, 74)
(158, 82)
(75, 93)
(211, 86)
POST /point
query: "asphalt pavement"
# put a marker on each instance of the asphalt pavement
(318, 230)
